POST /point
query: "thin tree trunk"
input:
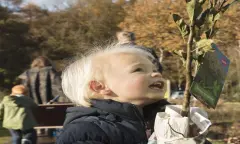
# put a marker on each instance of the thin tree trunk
(237, 62)
(187, 95)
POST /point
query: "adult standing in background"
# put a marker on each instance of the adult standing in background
(128, 38)
(43, 81)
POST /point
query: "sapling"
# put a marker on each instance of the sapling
(199, 31)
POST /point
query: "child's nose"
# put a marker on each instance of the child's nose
(156, 74)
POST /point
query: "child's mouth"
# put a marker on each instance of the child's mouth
(157, 85)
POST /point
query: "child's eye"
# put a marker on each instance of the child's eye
(138, 70)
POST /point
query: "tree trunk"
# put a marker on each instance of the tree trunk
(187, 95)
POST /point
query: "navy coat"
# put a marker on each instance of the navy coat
(106, 122)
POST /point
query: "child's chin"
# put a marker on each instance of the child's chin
(150, 101)
(156, 96)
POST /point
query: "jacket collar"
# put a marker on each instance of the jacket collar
(124, 110)
(102, 107)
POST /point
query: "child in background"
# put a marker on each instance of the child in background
(110, 87)
(16, 114)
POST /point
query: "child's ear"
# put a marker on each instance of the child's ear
(99, 88)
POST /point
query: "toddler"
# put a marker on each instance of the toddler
(16, 114)
(110, 87)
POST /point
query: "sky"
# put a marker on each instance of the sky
(51, 4)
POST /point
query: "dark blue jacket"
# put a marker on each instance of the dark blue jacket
(106, 122)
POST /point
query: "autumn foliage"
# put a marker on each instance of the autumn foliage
(29, 31)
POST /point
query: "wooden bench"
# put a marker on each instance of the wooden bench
(51, 115)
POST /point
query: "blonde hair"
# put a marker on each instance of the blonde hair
(77, 76)
(40, 62)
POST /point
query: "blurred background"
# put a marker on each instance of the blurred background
(62, 29)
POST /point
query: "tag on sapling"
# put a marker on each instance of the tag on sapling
(209, 80)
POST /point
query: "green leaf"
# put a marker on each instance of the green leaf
(208, 33)
(225, 8)
(201, 18)
(181, 53)
(198, 57)
(182, 26)
(211, 32)
(209, 20)
(217, 16)
(204, 45)
(194, 9)
(202, 2)
(211, 16)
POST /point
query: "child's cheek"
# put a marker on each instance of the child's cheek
(137, 83)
